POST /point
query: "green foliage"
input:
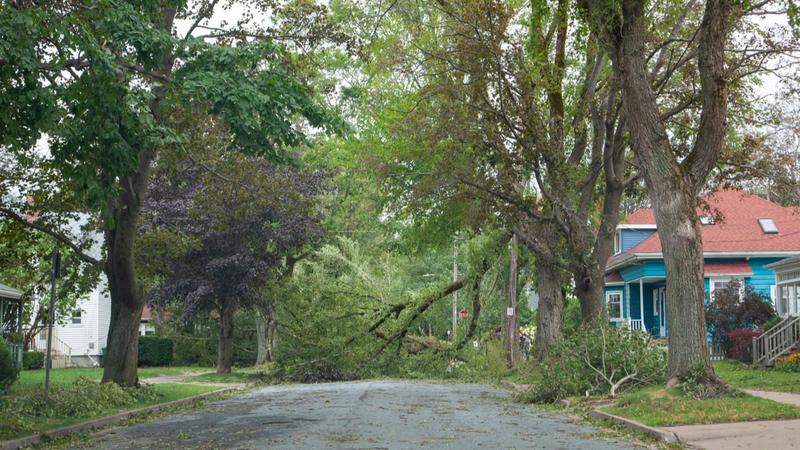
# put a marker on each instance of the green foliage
(597, 359)
(82, 398)
(195, 342)
(155, 351)
(8, 369)
(729, 312)
(32, 360)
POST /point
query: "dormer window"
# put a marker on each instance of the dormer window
(768, 225)
(707, 220)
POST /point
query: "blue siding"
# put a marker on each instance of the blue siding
(632, 237)
(762, 281)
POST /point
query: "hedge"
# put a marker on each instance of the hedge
(155, 351)
(8, 370)
(32, 360)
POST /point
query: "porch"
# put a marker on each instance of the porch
(644, 305)
(11, 321)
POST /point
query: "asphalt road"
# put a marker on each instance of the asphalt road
(359, 415)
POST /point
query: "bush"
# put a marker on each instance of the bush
(788, 363)
(770, 324)
(32, 360)
(8, 370)
(597, 359)
(729, 312)
(740, 344)
(155, 351)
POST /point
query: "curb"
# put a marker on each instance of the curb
(663, 435)
(34, 439)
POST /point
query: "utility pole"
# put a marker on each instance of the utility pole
(51, 315)
(455, 294)
(511, 312)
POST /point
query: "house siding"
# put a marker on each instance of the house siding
(629, 238)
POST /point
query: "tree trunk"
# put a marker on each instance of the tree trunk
(550, 319)
(266, 327)
(127, 299)
(589, 283)
(225, 348)
(672, 182)
(683, 258)
(513, 317)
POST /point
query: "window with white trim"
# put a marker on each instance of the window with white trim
(617, 242)
(716, 284)
(76, 317)
(614, 304)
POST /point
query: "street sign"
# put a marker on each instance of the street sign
(463, 313)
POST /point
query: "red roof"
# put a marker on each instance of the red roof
(732, 268)
(146, 313)
(642, 216)
(735, 227)
(614, 277)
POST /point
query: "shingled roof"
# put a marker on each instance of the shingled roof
(735, 227)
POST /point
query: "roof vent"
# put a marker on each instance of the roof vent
(768, 225)
(707, 220)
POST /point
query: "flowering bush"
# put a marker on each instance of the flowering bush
(788, 363)
(740, 344)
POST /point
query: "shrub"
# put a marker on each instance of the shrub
(597, 359)
(32, 360)
(8, 370)
(770, 324)
(728, 312)
(788, 363)
(155, 351)
(740, 344)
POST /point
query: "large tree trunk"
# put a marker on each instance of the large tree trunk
(513, 318)
(550, 319)
(127, 299)
(683, 258)
(673, 182)
(266, 328)
(225, 347)
(589, 291)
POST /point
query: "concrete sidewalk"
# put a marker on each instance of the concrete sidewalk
(768, 434)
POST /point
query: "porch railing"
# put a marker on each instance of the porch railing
(776, 342)
(61, 351)
(16, 354)
(636, 324)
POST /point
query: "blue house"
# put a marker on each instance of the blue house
(742, 235)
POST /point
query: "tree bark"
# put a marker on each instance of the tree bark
(225, 347)
(127, 300)
(673, 184)
(550, 320)
(266, 327)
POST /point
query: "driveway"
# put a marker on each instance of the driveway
(370, 414)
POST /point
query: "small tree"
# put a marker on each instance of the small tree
(730, 311)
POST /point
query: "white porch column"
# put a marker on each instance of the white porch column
(641, 301)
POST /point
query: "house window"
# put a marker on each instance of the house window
(736, 285)
(614, 303)
(76, 317)
(617, 242)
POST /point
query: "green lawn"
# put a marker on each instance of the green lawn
(744, 376)
(657, 406)
(29, 378)
(73, 400)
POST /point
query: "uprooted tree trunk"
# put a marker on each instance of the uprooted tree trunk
(550, 320)
(266, 333)
(403, 331)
